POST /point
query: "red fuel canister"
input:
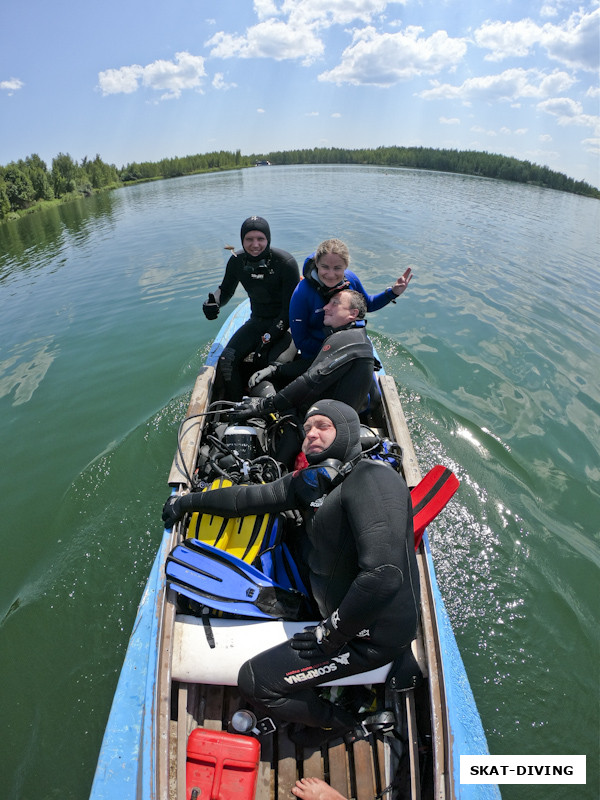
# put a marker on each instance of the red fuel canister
(221, 766)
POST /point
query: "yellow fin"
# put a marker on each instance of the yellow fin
(243, 537)
(211, 529)
(247, 537)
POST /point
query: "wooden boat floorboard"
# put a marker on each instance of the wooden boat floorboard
(356, 770)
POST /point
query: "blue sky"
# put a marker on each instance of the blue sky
(139, 81)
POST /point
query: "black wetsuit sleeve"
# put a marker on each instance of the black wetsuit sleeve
(290, 275)
(383, 536)
(230, 280)
(236, 501)
(326, 370)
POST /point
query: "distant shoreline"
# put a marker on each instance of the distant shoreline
(28, 185)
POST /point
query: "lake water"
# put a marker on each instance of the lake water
(495, 348)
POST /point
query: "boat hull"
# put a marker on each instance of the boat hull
(136, 757)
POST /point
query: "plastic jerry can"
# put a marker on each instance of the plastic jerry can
(221, 766)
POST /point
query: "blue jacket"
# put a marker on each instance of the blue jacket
(306, 308)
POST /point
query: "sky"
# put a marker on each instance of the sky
(142, 80)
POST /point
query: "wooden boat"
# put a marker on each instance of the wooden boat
(157, 705)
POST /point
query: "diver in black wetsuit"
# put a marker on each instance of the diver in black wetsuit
(342, 370)
(362, 570)
(269, 276)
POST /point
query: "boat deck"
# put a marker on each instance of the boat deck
(361, 770)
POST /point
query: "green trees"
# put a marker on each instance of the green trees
(23, 183)
(466, 162)
(19, 188)
(27, 182)
(64, 174)
(4, 201)
(40, 179)
(184, 165)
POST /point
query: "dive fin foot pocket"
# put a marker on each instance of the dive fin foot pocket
(221, 581)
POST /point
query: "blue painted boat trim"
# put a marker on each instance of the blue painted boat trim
(467, 736)
(126, 767)
(237, 318)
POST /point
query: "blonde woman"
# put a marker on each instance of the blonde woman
(326, 272)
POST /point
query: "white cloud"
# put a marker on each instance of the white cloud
(449, 121)
(265, 8)
(569, 112)
(312, 114)
(12, 85)
(545, 137)
(219, 82)
(270, 39)
(120, 81)
(507, 39)
(383, 59)
(576, 43)
(548, 10)
(479, 129)
(260, 111)
(573, 42)
(185, 73)
(336, 12)
(291, 30)
(336, 115)
(170, 77)
(507, 86)
(592, 145)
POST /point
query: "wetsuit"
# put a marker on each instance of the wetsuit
(269, 281)
(362, 569)
(308, 300)
(342, 370)
(362, 566)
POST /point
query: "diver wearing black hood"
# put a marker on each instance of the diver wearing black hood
(362, 570)
(342, 370)
(269, 276)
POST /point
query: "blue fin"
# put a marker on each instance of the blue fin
(223, 582)
(277, 562)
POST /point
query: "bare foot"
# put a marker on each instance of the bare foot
(315, 789)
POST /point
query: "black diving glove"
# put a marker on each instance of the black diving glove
(211, 307)
(172, 511)
(252, 407)
(322, 640)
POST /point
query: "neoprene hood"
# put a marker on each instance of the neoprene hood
(346, 445)
(256, 224)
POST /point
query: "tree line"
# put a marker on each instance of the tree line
(466, 162)
(28, 183)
